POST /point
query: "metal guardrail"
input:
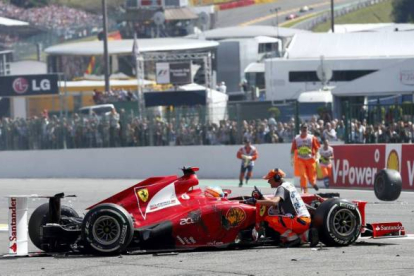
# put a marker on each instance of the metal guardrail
(311, 23)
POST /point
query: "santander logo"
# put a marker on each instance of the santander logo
(13, 225)
(14, 247)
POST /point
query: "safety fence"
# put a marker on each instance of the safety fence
(219, 123)
(167, 126)
(311, 23)
(378, 122)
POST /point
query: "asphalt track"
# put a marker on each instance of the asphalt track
(261, 14)
(366, 257)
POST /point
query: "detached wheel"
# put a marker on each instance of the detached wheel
(387, 185)
(338, 222)
(40, 217)
(108, 229)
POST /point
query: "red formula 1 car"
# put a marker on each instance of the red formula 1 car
(173, 213)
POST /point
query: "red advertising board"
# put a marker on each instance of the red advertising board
(355, 166)
(407, 166)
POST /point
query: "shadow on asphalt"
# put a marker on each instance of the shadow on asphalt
(364, 243)
(166, 252)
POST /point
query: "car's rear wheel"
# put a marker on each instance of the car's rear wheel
(338, 222)
(39, 218)
(387, 185)
(107, 229)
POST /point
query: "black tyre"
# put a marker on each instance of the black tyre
(338, 222)
(387, 185)
(107, 229)
(40, 217)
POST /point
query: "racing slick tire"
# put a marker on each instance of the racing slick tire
(107, 229)
(387, 185)
(40, 217)
(338, 222)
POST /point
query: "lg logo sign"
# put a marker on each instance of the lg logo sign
(21, 85)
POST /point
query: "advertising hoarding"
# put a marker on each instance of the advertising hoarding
(356, 165)
(29, 85)
(173, 73)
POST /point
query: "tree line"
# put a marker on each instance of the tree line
(403, 11)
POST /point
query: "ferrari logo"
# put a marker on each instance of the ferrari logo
(262, 210)
(143, 194)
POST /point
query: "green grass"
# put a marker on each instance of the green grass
(379, 13)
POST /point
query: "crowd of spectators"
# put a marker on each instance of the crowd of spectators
(125, 130)
(7, 40)
(60, 19)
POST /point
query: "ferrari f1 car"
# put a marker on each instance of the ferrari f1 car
(171, 212)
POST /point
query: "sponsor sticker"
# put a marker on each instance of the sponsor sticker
(389, 228)
(185, 221)
(262, 211)
(150, 199)
(349, 206)
(185, 240)
(14, 247)
(143, 194)
(215, 243)
(123, 234)
(13, 225)
(235, 216)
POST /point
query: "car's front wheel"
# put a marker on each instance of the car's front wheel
(338, 222)
(107, 229)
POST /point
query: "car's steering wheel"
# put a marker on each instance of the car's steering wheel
(256, 193)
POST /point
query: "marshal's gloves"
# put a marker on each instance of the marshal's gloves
(246, 160)
(251, 201)
(247, 157)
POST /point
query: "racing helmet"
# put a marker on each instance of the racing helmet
(277, 174)
(214, 192)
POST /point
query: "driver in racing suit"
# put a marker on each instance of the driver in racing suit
(292, 219)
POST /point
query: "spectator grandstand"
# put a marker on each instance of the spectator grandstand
(45, 26)
(60, 19)
(126, 130)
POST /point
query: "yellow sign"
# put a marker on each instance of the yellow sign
(235, 216)
(143, 194)
(393, 161)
